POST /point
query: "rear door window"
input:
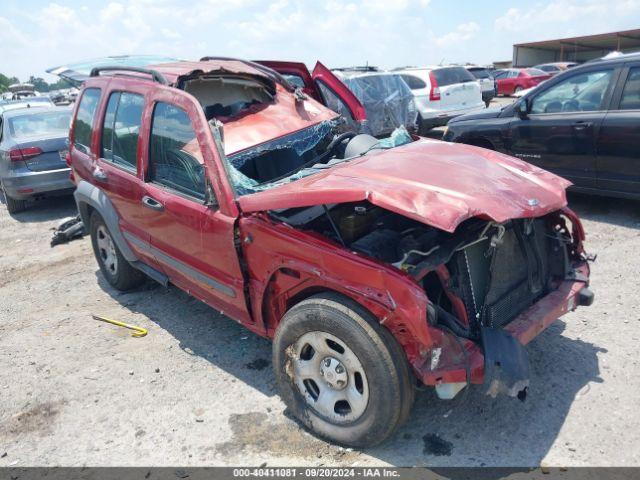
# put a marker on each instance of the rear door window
(83, 125)
(175, 159)
(121, 129)
(452, 75)
(631, 93)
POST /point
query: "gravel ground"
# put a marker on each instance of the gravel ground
(198, 389)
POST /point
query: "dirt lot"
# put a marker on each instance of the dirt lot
(198, 389)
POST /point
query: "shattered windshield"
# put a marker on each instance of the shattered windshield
(297, 155)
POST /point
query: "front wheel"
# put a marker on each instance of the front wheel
(341, 373)
(518, 89)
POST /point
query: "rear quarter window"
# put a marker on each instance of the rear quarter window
(83, 125)
(413, 82)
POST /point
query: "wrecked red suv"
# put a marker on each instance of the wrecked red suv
(373, 264)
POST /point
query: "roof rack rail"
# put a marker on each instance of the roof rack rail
(258, 66)
(358, 68)
(155, 75)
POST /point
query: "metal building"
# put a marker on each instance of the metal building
(576, 49)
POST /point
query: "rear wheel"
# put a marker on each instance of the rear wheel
(114, 267)
(14, 205)
(340, 372)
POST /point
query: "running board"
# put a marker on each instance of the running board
(159, 277)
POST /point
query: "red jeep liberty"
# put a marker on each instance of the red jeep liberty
(374, 264)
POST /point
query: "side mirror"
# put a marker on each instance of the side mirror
(522, 108)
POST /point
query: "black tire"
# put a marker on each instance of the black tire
(423, 127)
(14, 205)
(390, 382)
(123, 277)
(518, 89)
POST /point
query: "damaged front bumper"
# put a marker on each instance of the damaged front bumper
(500, 361)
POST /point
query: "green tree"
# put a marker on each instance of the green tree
(39, 84)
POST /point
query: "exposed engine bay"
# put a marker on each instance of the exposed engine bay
(482, 275)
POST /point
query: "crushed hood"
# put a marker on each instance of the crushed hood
(437, 183)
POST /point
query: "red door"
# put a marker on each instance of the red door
(300, 73)
(191, 232)
(323, 77)
(323, 86)
(117, 169)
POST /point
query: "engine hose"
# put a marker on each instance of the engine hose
(452, 323)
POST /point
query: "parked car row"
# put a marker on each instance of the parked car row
(582, 124)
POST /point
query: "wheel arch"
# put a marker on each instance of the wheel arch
(90, 198)
(287, 287)
(482, 142)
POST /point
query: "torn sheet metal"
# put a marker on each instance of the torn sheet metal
(506, 363)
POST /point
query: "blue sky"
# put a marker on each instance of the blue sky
(36, 34)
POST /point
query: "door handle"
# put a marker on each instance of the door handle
(152, 203)
(582, 125)
(99, 174)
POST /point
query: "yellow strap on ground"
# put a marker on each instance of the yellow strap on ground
(139, 331)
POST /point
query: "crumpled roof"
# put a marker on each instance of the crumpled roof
(176, 70)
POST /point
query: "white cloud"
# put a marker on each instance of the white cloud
(462, 33)
(337, 32)
(584, 16)
(111, 12)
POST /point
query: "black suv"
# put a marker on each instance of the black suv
(583, 124)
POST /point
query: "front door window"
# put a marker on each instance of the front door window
(585, 92)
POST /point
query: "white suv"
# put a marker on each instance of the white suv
(442, 93)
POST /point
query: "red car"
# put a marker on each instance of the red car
(514, 80)
(373, 264)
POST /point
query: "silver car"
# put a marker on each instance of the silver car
(33, 147)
